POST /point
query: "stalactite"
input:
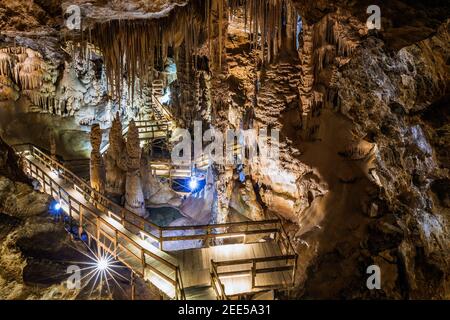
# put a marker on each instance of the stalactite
(132, 49)
(6, 63)
(268, 19)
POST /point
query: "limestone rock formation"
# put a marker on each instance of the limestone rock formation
(97, 167)
(145, 175)
(134, 195)
(244, 201)
(115, 161)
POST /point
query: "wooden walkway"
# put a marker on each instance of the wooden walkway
(148, 130)
(265, 259)
(195, 266)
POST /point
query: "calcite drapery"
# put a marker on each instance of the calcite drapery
(115, 161)
(134, 195)
(274, 22)
(97, 167)
(24, 71)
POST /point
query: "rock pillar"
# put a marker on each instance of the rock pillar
(97, 167)
(134, 196)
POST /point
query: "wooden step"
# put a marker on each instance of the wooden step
(200, 293)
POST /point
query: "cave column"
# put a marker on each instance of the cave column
(115, 161)
(307, 77)
(134, 195)
(97, 167)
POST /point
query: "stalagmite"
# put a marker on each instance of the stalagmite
(52, 142)
(134, 196)
(145, 175)
(115, 161)
(97, 167)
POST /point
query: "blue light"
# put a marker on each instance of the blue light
(57, 206)
(193, 184)
(166, 97)
(55, 209)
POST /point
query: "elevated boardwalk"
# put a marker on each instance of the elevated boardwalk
(148, 130)
(263, 258)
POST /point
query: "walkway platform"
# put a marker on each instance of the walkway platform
(212, 272)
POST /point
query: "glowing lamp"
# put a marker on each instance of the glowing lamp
(57, 206)
(102, 264)
(193, 184)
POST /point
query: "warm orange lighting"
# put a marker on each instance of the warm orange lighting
(235, 276)
(231, 236)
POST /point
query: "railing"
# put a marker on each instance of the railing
(159, 106)
(108, 236)
(157, 129)
(250, 267)
(217, 285)
(249, 231)
(179, 288)
(185, 169)
(150, 230)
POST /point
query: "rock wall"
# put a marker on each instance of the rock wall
(381, 207)
(363, 168)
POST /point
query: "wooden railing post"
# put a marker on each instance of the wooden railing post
(294, 270)
(123, 218)
(253, 274)
(207, 244)
(177, 293)
(143, 261)
(98, 235)
(80, 224)
(116, 242)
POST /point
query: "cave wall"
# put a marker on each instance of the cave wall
(363, 173)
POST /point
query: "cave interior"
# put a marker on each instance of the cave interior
(225, 149)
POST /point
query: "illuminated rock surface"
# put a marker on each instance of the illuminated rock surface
(363, 119)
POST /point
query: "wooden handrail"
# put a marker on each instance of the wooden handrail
(215, 281)
(209, 235)
(253, 270)
(124, 216)
(106, 204)
(223, 225)
(167, 113)
(254, 260)
(177, 282)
